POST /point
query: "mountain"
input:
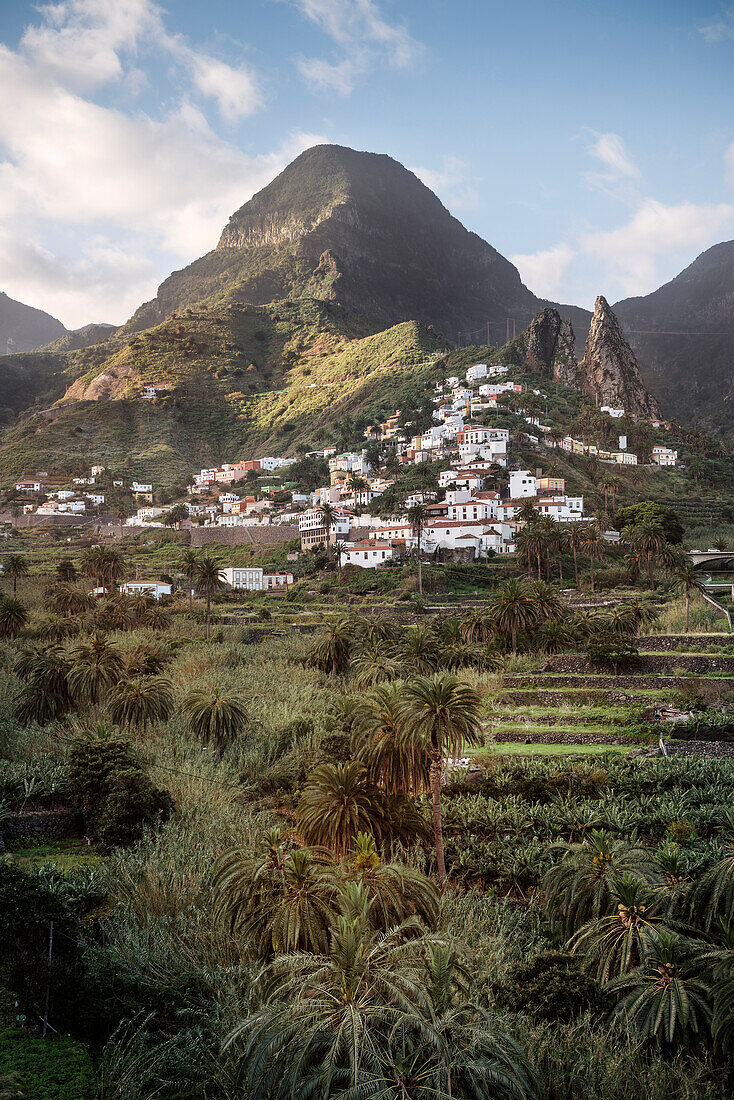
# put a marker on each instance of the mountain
(235, 381)
(361, 230)
(609, 372)
(80, 338)
(547, 345)
(23, 328)
(683, 335)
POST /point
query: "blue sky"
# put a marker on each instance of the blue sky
(593, 144)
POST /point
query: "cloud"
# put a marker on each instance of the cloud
(83, 45)
(363, 39)
(656, 235)
(545, 271)
(453, 183)
(620, 174)
(611, 151)
(721, 29)
(165, 187)
(59, 284)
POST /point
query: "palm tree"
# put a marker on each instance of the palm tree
(339, 549)
(14, 566)
(579, 888)
(190, 568)
(530, 544)
(647, 536)
(338, 802)
(548, 601)
(208, 580)
(617, 943)
(140, 701)
(453, 1047)
(593, 546)
(392, 759)
(278, 899)
(96, 667)
(66, 599)
(13, 617)
(332, 647)
(328, 514)
(576, 541)
(441, 715)
(665, 998)
(419, 649)
(105, 564)
(325, 1018)
(687, 580)
(396, 891)
(215, 715)
(46, 697)
(66, 571)
(513, 607)
(417, 516)
(376, 663)
(526, 512)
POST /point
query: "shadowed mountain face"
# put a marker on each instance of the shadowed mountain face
(23, 328)
(683, 335)
(361, 230)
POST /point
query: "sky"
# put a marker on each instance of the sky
(591, 143)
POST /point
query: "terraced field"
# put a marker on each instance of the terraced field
(564, 704)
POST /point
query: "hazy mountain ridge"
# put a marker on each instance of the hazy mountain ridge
(24, 328)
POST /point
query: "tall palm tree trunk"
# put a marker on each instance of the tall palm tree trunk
(191, 598)
(591, 559)
(575, 567)
(436, 763)
(688, 609)
(650, 575)
(420, 564)
(514, 639)
(208, 609)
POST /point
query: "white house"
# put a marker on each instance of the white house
(479, 370)
(564, 509)
(616, 413)
(141, 487)
(255, 579)
(97, 471)
(368, 555)
(522, 484)
(156, 589)
(145, 514)
(664, 456)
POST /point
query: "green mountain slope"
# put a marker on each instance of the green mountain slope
(241, 380)
(23, 328)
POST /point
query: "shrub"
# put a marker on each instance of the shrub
(612, 650)
(46, 1069)
(551, 987)
(108, 784)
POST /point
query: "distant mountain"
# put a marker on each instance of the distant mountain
(683, 335)
(359, 229)
(80, 338)
(23, 328)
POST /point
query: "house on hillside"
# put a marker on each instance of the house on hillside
(664, 456)
(155, 589)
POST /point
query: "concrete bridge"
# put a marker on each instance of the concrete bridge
(713, 561)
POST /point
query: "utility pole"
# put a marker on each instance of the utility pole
(489, 342)
(48, 981)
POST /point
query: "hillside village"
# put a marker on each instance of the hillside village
(474, 510)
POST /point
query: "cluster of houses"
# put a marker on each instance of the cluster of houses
(467, 523)
(467, 519)
(76, 496)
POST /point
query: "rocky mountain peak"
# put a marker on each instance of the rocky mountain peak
(548, 346)
(611, 374)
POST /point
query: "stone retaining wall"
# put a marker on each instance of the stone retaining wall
(46, 824)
